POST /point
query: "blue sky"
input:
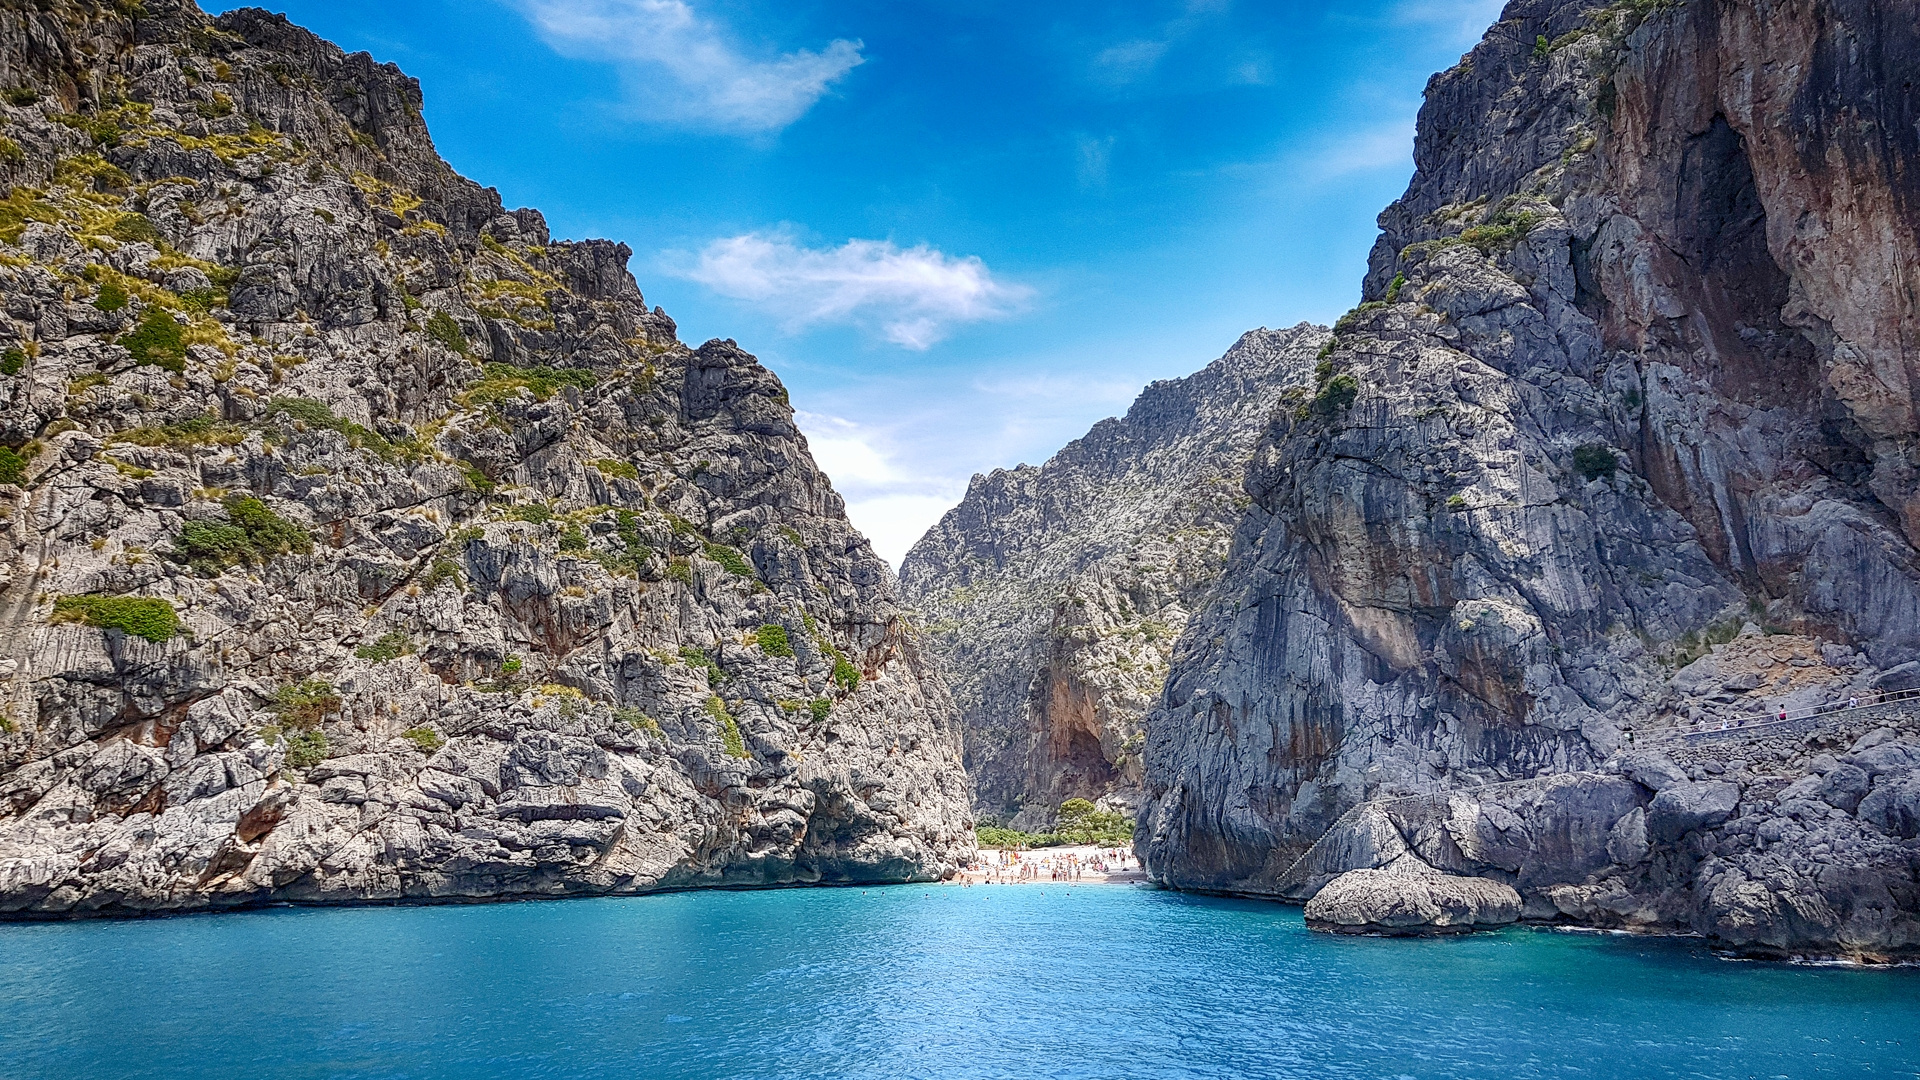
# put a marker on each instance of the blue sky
(961, 232)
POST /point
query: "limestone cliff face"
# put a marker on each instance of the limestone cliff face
(363, 542)
(1055, 593)
(1634, 368)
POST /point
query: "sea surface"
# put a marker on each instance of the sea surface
(910, 981)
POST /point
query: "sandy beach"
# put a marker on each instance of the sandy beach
(1084, 864)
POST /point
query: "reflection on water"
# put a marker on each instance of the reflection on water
(910, 981)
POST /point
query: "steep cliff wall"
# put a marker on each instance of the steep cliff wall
(363, 542)
(1054, 594)
(1634, 368)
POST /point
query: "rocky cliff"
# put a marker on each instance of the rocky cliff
(1634, 370)
(1054, 594)
(362, 542)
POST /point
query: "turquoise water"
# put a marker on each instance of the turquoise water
(906, 982)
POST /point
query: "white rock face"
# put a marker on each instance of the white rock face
(1410, 897)
(486, 584)
(1055, 593)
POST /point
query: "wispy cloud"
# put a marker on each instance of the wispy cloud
(1096, 155)
(685, 69)
(1465, 20)
(915, 295)
(1384, 146)
(891, 504)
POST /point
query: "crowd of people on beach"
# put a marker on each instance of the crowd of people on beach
(1012, 867)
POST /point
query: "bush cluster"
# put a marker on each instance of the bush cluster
(142, 616)
(730, 559)
(13, 463)
(157, 340)
(427, 739)
(253, 535)
(773, 640)
(391, 645)
(730, 737)
(1594, 461)
(442, 328)
(305, 703)
(305, 749)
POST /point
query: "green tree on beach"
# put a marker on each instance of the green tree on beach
(1083, 823)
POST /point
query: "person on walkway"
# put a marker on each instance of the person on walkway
(1783, 714)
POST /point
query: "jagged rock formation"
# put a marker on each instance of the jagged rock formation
(362, 542)
(1634, 367)
(1054, 594)
(1407, 896)
(1771, 842)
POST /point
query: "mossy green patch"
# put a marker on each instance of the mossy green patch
(157, 340)
(142, 616)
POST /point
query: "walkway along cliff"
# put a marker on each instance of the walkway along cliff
(362, 542)
(1634, 375)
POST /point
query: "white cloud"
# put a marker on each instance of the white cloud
(894, 523)
(914, 294)
(1385, 146)
(686, 69)
(844, 453)
(1130, 60)
(1096, 155)
(892, 506)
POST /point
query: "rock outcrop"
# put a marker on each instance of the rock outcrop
(1633, 370)
(363, 542)
(1409, 897)
(1773, 841)
(1054, 594)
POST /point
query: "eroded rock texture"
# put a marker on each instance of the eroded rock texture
(1634, 369)
(485, 584)
(1054, 593)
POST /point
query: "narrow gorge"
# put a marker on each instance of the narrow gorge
(1054, 594)
(363, 542)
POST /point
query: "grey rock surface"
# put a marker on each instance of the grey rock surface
(1054, 593)
(1619, 445)
(1408, 897)
(485, 584)
(1761, 863)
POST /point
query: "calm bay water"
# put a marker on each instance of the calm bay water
(909, 981)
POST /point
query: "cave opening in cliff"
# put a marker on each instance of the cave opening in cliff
(1720, 233)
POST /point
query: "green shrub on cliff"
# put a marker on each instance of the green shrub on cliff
(305, 749)
(252, 536)
(730, 736)
(305, 703)
(158, 341)
(1594, 461)
(773, 640)
(442, 328)
(13, 463)
(142, 616)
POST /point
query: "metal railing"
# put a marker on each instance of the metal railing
(1768, 723)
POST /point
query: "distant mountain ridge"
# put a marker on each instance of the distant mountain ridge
(1053, 593)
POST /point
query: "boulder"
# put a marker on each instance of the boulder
(1409, 897)
(1652, 770)
(1894, 806)
(1684, 808)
